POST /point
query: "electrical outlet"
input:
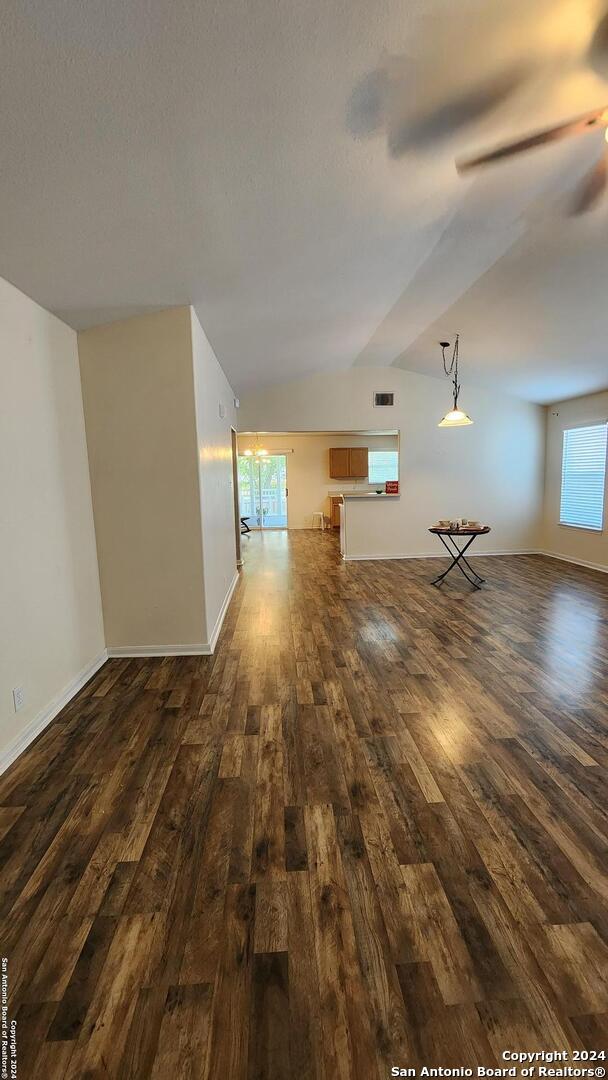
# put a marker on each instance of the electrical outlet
(18, 698)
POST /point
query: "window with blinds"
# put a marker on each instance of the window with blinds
(382, 465)
(584, 476)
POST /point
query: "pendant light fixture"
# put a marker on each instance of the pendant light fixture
(455, 417)
(258, 450)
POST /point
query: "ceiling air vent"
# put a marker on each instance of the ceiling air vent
(384, 397)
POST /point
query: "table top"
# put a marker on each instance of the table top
(464, 530)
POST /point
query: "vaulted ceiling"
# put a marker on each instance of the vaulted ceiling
(288, 168)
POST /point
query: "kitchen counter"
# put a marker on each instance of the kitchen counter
(368, 495)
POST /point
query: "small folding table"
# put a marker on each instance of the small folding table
(457, 554)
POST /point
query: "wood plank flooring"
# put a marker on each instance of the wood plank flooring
(369, 832)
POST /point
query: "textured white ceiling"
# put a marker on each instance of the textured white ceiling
(287, 167)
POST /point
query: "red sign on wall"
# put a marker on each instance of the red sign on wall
(392, 487)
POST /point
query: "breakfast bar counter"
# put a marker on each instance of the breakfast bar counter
(364, 527)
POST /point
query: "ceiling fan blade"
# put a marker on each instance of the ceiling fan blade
(598, 47)
(591, 187)
(576, 126)
(444, 119)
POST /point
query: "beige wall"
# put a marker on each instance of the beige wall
(492, 470)
(138, 392)
(581, 545)
(51, 629)
(213, 394)
(308, 479)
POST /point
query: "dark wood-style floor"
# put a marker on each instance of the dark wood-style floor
(369, 832)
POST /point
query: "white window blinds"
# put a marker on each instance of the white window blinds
(584, 476)
(383, 465)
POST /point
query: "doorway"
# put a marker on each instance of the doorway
(263, 490)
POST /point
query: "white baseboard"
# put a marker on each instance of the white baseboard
(437, 555)
(23, 739)
(575, 562)
(224, 608)
(203, 648)
(133, 651)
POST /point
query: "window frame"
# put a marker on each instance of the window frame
(571, 524)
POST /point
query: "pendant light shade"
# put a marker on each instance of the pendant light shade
(455, 417)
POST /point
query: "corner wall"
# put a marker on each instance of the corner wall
(51, 628)
(491, 471)
(138, 394)
(212, 393)
(578, 545)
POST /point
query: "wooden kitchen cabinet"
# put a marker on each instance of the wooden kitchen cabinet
(358, 461)
(335, 501)
(348, 462)
(339, 461)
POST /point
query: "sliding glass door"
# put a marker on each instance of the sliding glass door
(263, 491)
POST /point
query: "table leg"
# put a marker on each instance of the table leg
(476, 580)
(465, 561)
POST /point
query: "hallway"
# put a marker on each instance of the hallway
(368, 832)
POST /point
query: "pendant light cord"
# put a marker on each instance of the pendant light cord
(451, 367)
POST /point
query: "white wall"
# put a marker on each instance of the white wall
(51, 628)
(580, 545)
(308, 479)
(138, 391)
(212, 389)
(492, 470)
